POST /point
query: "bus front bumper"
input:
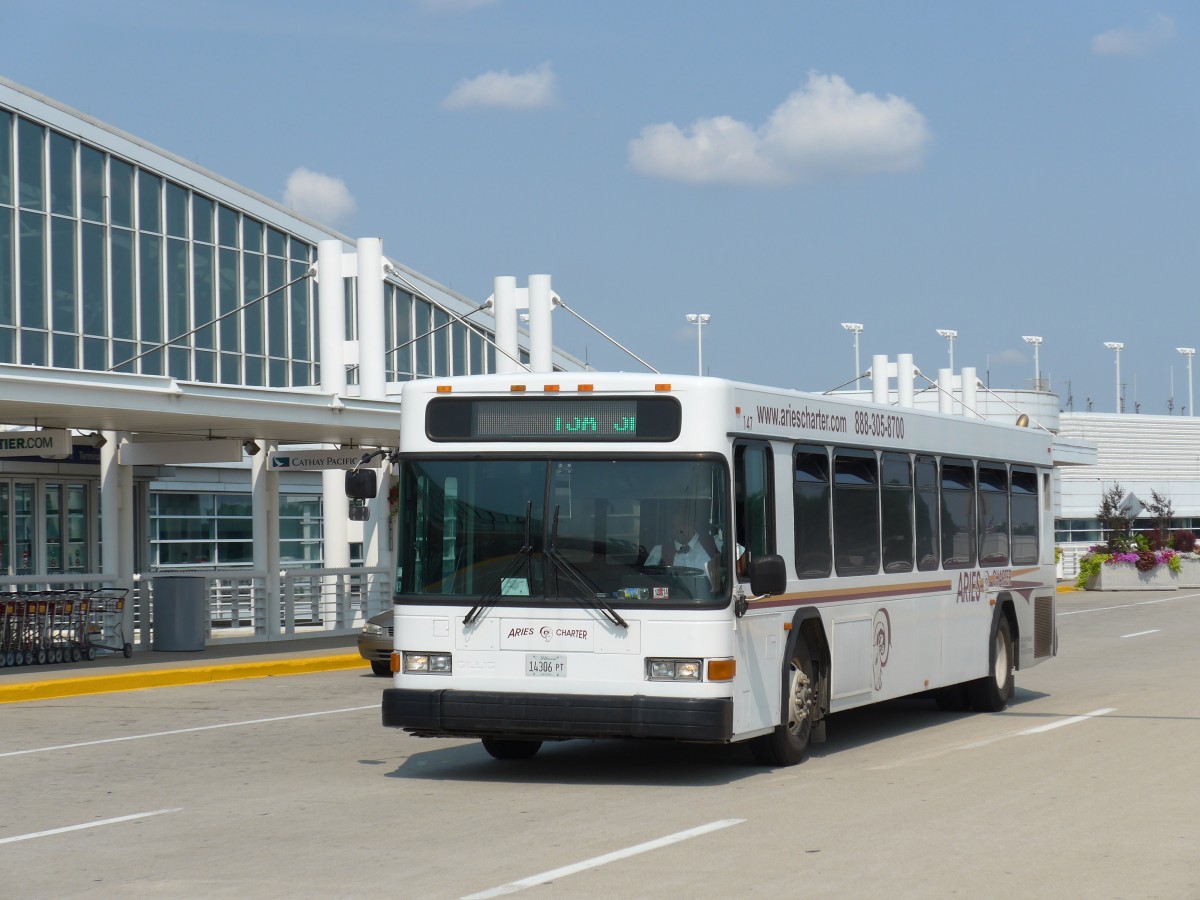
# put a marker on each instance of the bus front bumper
(449, 713)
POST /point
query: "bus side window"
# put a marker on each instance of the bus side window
(810, 509)
(927, 529)
(855, 512)
(958, 514)
(754, 525)
(897, 513)
(993, 514)
(1024, 516)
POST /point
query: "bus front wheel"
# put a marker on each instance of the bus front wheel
(787, 744)
(992, 692)
(500, 748)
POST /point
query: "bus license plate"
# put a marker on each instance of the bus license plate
(540, 664)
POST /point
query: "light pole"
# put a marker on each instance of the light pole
(855, 328)
(1118, 347)
(949, 335)
(1037, 369)
(1189, 352)
(699, 320)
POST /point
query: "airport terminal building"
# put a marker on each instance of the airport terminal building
(162, 326)
(167, 337)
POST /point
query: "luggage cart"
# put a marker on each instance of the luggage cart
(8, 632)
(39, 629)
(22, 643)
(104, 614)
(65, 635)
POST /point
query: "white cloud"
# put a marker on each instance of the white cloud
(318, 196)
(1132, 42)
(823, 128)
(502, 90)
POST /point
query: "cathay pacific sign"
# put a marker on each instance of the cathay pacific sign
(297, 460)
(47, 442)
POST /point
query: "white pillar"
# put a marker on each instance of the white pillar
(945, 382)
(377, 554)
(264, 487)
(879, 378)
(335, 518)
(332, 296)
(968, 392)
(541, 334)
(905, 373)
(504, 299)
(372, 368)
(331, 316)
(372, 374)
(116, 521)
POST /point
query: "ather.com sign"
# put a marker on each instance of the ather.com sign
(47, 442)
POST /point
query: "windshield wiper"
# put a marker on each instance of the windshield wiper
(522, 556)
(588, 590)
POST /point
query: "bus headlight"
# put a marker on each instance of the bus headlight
(429, 663)
(673, 669)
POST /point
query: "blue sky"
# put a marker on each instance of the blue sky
(1001, 170)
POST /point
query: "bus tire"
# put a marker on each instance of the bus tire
(992, 692)
(500, 748)
(787, 744)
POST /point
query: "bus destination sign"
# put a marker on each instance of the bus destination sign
(553, 419)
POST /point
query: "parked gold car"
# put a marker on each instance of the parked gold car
(375, 643)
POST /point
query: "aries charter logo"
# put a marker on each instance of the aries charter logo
(882, 629)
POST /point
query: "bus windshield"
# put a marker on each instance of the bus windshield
(621, 532)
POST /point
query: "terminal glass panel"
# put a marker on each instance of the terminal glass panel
(24, 526)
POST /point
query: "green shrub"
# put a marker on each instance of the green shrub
(1089, 566)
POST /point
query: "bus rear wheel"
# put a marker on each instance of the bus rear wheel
(501, 748)
(992, 692)
(787, 744)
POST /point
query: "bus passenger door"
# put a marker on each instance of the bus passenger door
(757, 683)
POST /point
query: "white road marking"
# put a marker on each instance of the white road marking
(96, 824)
(138, 737)
(1071, 721)
(1140, 633)
(975, 745)
(1092, 609)
(596, 861)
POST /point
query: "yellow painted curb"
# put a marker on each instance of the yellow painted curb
(152, 678)
(1066, 588)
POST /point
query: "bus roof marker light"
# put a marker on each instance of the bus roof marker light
(444, 388)
(551, 389)
(662, 387)
(587, 387)
(517, 388)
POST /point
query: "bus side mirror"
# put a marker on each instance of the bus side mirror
(768, 574)
(361, 485)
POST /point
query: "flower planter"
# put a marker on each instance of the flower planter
(1189, 572)
(1124, 576)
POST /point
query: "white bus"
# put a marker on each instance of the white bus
(591, 555)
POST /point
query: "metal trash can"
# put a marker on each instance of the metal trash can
(180, 612)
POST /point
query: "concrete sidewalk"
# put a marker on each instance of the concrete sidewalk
(151, 668)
